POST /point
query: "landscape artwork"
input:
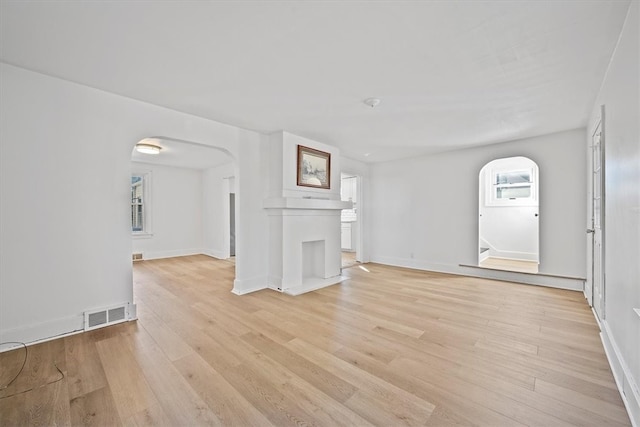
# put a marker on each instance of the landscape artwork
(314, 168)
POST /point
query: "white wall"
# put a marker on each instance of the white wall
(65, 164)
(425, 210)
(283, 160)
(176, 207)
(217, 184)
(251, 219)
(620, 94)
(510, 232)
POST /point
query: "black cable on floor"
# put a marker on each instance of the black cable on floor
(24, 362)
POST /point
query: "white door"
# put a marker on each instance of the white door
(597, 219)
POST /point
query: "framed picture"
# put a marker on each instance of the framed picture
(314, 168)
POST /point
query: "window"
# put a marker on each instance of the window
(140, 218)
(512, 187)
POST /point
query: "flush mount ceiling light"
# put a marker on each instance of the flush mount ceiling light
(145, 148)
(371, 102)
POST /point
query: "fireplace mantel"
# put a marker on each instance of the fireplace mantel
(306, 203)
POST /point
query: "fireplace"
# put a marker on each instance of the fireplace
(304, 236)
(304, 222)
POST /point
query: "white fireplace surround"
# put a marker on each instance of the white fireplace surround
(305, 243)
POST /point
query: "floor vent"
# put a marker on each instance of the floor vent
(105, 317)
(137, 257)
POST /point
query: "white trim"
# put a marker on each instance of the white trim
(313, 284)
(246, 286)
(147, 204)
(173, 253)
(215, 254)
(625, 382)
(141, 235)
(541, 279)
(44, 331)
(515, 256)
(183, 252)
(490, 194)
(40, 341)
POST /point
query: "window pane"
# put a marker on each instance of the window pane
(137, 205)
(513, 192)
(513, 177)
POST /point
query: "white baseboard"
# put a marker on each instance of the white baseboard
(516, 256)
(246, 286)
(627, 385)
(509, 276)
(148, 255)
(44, 331)
(214, 254)
(50, 330)
(313, 284)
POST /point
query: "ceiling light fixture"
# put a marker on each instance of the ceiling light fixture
(372, 102)
(145, 148)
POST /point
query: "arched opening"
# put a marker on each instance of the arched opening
(508, 215)
(182, 200)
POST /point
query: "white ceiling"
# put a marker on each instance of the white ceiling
(450, 74)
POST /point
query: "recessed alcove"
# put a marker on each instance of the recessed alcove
(313, 262)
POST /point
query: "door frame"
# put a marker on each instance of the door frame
(596, 231)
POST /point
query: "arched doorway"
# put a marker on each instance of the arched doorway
(508, 215)
(181, 200)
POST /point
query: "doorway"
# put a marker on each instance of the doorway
(594, 287)
(350, 220)
(232, 224)
(508, 229)
(186, 211)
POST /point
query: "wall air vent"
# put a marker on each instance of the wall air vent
(137, 256)
(105, 317)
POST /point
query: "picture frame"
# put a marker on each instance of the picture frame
(314, 168)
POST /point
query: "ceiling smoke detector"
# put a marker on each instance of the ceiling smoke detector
(372, 102)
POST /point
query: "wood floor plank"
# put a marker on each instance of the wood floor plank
(130, 390)
(48, 405)
(181, 404)
(172, 344)
(485, 396)
(309, 396)
(225, 401)
(152, 415)
(612, 411)
(330, 384)
(95, 408)
(377, 390)
(85, 373)
(387, 346)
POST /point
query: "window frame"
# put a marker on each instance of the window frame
(492, 188)
(147, 229)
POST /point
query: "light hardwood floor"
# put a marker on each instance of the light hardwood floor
(510, 265)
(387, 347)
(348, 259)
